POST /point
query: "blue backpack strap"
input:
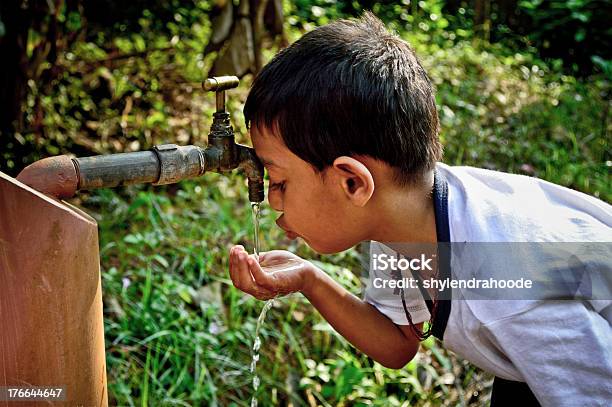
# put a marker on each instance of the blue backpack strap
(443, 307)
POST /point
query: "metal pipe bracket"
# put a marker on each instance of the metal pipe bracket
(178, 162)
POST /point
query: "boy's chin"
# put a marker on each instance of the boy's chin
(327, 248)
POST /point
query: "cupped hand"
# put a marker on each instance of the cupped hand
(277, 273)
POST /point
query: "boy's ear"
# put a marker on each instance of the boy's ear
(356, 179)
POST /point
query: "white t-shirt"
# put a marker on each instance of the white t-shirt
(561, 349)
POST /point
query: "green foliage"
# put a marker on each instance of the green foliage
(576, 30)
(425, 16)
(121, 92)
(549, 16)
(514, 114)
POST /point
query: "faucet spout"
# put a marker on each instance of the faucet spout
(254, 171)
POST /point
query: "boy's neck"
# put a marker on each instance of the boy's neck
(406, 215)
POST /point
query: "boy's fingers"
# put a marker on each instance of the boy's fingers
(247, 283)
(261, 292)
(240, 273)
(268, 281)
(246, 280)
(233, 268)
(261, 278)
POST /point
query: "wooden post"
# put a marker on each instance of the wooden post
(482, 19)
(51, 324)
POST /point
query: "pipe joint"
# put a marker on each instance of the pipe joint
(179, 162)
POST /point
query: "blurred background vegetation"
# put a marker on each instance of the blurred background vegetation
(522, 86)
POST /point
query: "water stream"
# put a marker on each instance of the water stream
(269, 267)
(262, 315)
(255, 211)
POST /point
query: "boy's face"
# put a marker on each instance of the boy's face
(313, 207)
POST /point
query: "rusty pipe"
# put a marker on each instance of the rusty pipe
(62, 176)
(54, 176)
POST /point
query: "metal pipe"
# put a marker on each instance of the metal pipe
(220, 96)
(62, 176)
(54, 176)
(107, 171)
(219, 84)
(165, 164)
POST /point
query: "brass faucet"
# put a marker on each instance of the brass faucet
(62, 176)
(222, 153)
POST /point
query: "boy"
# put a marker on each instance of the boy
(345, 122)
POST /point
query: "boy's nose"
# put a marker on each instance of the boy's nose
(275, 201)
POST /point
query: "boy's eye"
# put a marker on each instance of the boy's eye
(277, 186)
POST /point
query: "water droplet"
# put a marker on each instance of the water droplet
(255, 383)
(257, 344)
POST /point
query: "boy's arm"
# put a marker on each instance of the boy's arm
(361, 323)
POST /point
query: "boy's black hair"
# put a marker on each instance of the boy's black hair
(350, 88)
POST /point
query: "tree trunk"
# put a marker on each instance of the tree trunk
(258, 7)
(14, 68)
(482, 18)
(238, 34)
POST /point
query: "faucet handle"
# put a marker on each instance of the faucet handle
(219, 84)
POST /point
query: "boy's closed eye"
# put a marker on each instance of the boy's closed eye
(280, 186)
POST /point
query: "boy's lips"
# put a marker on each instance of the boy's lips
(290, 234)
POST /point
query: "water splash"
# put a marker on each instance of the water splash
(256, 348)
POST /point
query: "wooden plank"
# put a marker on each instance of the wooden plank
(51, 323)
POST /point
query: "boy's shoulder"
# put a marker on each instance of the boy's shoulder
(486, 205)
